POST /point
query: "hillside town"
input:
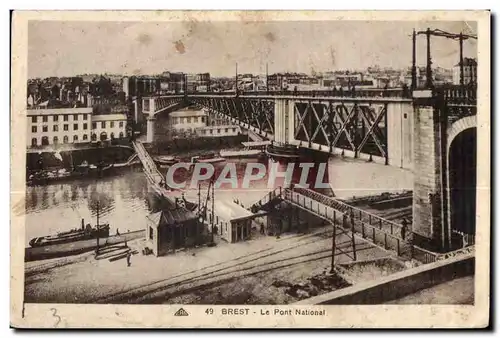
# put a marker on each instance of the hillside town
(81, 89)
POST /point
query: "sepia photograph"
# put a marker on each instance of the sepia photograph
(217, 166)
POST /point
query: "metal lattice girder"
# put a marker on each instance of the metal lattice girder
(373, 122)
(357, 126)
(163, 102)
(256, 112)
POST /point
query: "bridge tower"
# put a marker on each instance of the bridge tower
(444, 169)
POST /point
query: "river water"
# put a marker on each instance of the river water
(124, 200)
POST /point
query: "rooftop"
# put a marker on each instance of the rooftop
(58, 111)
(230, 211)
(171, 216)
(468, 62)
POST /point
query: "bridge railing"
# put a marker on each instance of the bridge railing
(422, 255)
(266, 199)
(346, 219)
(360, 93)
(459, 94)
(363, 223)
(388, 226)
(150, 167)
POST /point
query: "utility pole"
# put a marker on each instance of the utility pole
(461, 42)
(267, 79)
(236, 80)
(428, 82)
(97, 226)
(334, 240)
(437, 32)
(213, 211)
(414, 62)
(199, 200)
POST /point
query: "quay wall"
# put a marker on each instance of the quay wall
(185, 146)
(93, 155)
(399, 284)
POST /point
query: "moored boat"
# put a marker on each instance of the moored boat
(209, 158)
(166, 160)
(241, 153)
(83, 233)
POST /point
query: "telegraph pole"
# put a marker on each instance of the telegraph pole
(236, 80)
(437, 32)
(267, 79)
(213, 212)
(461, 41)
(334, 239)
(414, 62)
(428, 82)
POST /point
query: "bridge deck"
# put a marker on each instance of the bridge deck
(155, 178)
(381, 232)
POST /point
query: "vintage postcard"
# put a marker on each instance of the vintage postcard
(264, 169)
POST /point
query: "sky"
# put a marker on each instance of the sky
(67, 48)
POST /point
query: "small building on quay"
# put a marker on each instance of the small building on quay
(173, 228)
(185, 122)
(233, 221)
(108, 127)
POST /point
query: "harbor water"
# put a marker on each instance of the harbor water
(124, 200)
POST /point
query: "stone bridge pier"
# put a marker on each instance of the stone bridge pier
(152, 106)
(444, 170)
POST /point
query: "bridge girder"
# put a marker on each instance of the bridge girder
(355, 126)
(162, 103)
(256, 112)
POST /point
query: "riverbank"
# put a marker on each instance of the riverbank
(188, 147)
(51, 158)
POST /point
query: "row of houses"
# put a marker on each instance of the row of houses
(167, 82)
(49, 127)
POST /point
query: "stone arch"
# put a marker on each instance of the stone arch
(459, 126)
(461, 173)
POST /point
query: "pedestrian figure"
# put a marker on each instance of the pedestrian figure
(404, 226)
(117, 232)
(128, 258)
(262, 228)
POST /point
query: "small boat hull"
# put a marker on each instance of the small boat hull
(71, 236)
(242, 153)
(167, 160)
(210, 160)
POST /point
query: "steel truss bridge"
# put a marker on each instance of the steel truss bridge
(364, 123)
